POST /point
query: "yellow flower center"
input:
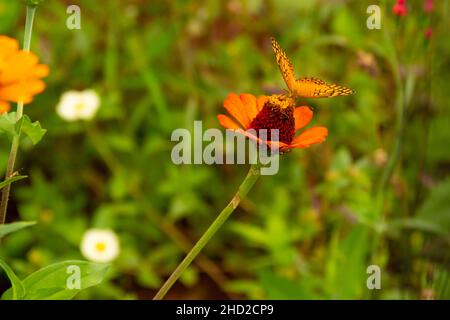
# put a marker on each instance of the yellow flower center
(79, 106)
(100, 246)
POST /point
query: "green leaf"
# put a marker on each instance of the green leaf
(436, 208)
(345, 269)
(8, 124)
(13, 227)
(32, 130)
(18, 290)
(252, 233)
(11, 180)
(10, 127)
(280, 288)
(415, 223)
(62, 280)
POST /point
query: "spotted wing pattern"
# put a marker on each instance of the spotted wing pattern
(285, 65)
(316, 88)
(305, 87)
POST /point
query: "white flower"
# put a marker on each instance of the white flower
(100, 245)
(78, 105)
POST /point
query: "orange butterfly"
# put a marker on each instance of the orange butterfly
(305, 87)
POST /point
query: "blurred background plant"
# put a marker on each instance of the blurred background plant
(376, 193)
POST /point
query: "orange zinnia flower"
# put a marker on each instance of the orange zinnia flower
(20, 74)
(272, 112)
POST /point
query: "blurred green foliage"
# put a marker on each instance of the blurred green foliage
(311, 231)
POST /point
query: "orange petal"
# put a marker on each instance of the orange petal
(250, 135)
(39, 71)
(8, 46)
(235, 107)
(18, 66)
(250, 106)
(278, 145)
(34, 86)
(4, 107)
(303, 116)
(227, 123)
(309, 137)
(274, 145)
(260, 101)
(22, 91)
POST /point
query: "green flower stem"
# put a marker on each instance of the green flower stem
(386, 175)
(244, 188)
(404, 92)
(393, 159)
(180, 240)
(16, 139)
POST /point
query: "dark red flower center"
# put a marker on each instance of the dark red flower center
(275, 115)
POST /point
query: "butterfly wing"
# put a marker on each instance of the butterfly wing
(305, 87)
(285, 65)
(316, 88)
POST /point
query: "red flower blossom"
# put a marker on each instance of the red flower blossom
(400, 8)
(428, 6)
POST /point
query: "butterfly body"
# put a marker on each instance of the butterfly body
(305, 87)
